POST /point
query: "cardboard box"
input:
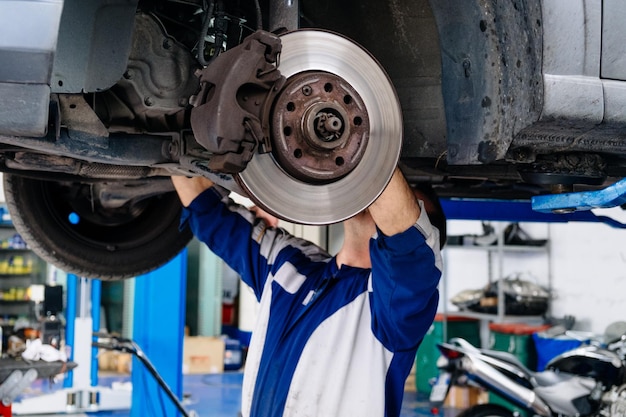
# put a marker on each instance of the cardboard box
(114, 361)
(465, 397)
(410, 385)
(203, 355)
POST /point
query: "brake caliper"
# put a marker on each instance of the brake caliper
(231, 114)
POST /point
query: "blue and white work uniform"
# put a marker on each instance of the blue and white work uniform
(329, 341)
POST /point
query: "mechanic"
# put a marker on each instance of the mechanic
(335, 336)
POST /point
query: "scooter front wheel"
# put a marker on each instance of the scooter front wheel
(487, 410)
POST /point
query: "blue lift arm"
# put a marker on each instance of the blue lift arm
(611, 196)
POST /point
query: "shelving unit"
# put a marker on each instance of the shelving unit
(497, 255)
(22, 277)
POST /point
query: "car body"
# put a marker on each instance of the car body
(499, 99)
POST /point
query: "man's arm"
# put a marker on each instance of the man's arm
(396, 209)
(228, 229)
(189, 188)
(406, 267)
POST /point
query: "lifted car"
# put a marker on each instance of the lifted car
(304, 106)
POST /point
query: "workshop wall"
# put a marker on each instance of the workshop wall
(590, 274)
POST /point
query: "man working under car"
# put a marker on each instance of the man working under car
(336, 336)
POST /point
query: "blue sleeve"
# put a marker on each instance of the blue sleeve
(406, 269)
(229, 231)
(242, 240)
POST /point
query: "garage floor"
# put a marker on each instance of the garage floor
(218, 395)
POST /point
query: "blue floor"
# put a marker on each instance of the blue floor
(218, 395)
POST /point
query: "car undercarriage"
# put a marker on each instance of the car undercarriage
(305, 107)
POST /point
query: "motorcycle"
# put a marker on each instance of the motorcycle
(589, 380)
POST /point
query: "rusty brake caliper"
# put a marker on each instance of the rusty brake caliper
(231, 111)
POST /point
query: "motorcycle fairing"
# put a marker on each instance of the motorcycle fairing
(593, 362)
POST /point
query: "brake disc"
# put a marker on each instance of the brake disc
(336, 130)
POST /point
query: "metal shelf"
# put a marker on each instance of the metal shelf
(489, 316)
(16, 301)
(504, 248)
(499, 250)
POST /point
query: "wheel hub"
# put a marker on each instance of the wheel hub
(320, 127)
(336, 132)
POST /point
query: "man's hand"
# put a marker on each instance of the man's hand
(396, 209)
(269, 219)
(189, 188)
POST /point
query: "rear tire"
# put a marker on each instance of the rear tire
(486, 410)
(64, 225)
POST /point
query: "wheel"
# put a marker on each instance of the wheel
(336, 132)
(486, 410)
(65, 225)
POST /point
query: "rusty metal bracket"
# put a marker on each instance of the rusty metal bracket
(231, 111)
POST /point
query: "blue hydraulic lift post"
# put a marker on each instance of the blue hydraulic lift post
(158, 329)
(96, 292)
(73, 282)
(70, 315)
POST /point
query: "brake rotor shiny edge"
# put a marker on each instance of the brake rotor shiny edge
(270, 187)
